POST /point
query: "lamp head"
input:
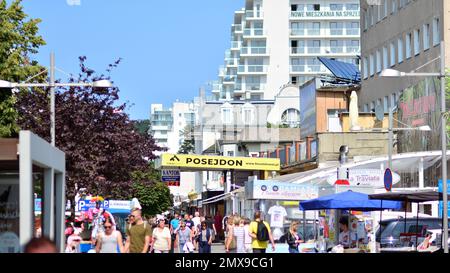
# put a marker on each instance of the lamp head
(391, 73)
(425, 128)
(102, 84)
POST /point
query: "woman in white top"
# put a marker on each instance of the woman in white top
(109, 241)
(247, 237)
(162, 239)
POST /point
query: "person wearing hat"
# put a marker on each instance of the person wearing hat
(162, 240)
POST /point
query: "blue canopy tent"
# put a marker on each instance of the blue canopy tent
(348, 200)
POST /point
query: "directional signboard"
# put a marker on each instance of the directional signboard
(171, 177)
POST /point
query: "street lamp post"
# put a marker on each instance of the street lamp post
(441, 75)
(52, 85)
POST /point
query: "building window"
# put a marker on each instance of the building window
(352, 28)
(392, 62)
(336, 28)
(316, 7)
(385, 58)
(336, 7)
(247, 114)
(372, 65)
(385, 8)
(293, 7)
(436, 32)
(393, 99)
(372, 15)
(394, 6)
(336, 46)
(365, 68)
(386, 104)
(372, 106)
(291, 117)
(426, 36)
(366, 108)
(378, 61)
(312, 7)
(227, 113)
(352, 6)
(408, 45)
(400, 49)
(379, 102)
(417, 42)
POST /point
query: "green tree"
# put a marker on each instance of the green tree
(153, 195)
(19, 39)
(142, 126)
(188, 145)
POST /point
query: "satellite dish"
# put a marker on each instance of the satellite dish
(379, 112)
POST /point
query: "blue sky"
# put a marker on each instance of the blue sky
(169, 48)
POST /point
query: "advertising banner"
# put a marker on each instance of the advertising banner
(219, 162)
(365, 177)
(274, 190)
(308, 106)
(171, 177)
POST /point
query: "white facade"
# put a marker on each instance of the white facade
(167, 125)
(277, 42)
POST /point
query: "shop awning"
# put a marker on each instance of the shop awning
(410, 196)
(348, 200)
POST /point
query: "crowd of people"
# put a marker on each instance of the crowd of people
(170, 234)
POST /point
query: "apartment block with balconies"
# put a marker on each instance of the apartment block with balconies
(273, 44)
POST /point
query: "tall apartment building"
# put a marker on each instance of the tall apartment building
(275, 42)
(167, 126)
(406, 35)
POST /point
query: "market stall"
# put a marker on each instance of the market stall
(348, 200)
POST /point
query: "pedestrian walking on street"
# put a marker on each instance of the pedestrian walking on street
(261, 234)
(247, 237)
(210, 224)
(293, 239)
(162, 240)
(183, 236)
(109, 241)
(235, 242)
(138, 234)
(204, 239)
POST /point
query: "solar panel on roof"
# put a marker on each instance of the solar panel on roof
(341, 70)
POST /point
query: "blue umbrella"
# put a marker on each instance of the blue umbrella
(349, 200)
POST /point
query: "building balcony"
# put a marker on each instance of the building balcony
(336, 32)
(352, 49)
(352, 31)
(255, 88)
(252, 69)
(236, 45)
(325, 15)
(308, 68)
(254, 51)
(236, 28)
(253, 15)
(336, 50)
(232, 61)
(297, 50)
(229, 79)
(253, 32)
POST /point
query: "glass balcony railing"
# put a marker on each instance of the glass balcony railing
(313, 31)
(297, 68)
(335, 32)
(253, 32)
(337, 49)
(352, 31)
(232, 61)
(229, 78)
(237, 28)
(252, 68)
(238, 87)
(254, 87)
(253, 50)
(249, 14)
(297, 50)
(236, 44)
(314, 50)
(298, 31)
(352, 49)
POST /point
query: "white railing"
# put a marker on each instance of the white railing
(297, 50)
(308, 68)
(253, 32)
(253, 50)
(314, 50)
(252, 69)
(352, 31)
(313, 31)
(297, 31)
(352, 49)
(337, 49)
(336, 31)
(297, 68)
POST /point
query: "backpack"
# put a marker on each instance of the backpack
(262, 233)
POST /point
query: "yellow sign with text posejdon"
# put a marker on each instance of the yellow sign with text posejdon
(219, 162)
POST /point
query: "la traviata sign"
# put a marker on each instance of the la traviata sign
(365, 177)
